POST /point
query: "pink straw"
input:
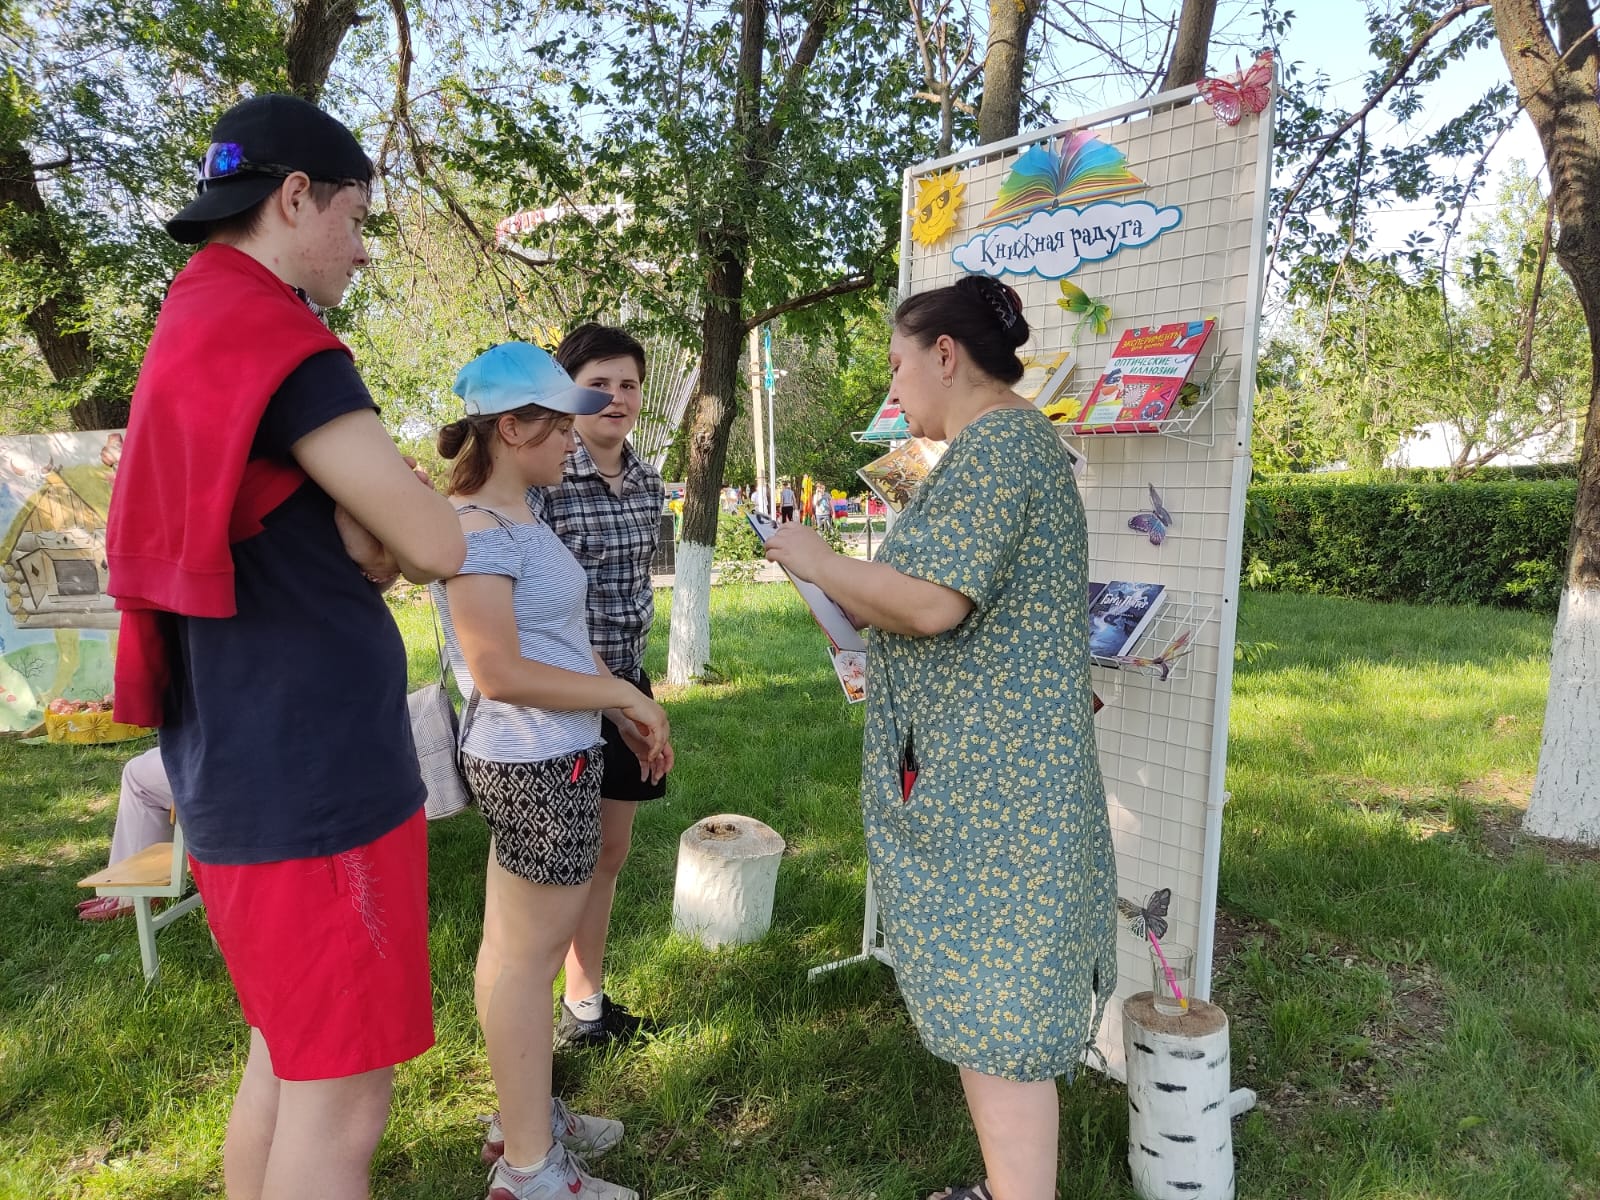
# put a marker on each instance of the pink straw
(1172, 980)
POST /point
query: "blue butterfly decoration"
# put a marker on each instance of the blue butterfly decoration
(1153, 522)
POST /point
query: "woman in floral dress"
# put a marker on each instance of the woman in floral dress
(985, 813)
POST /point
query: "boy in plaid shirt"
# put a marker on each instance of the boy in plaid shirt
(607, 510)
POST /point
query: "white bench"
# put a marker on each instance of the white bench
(156, 872)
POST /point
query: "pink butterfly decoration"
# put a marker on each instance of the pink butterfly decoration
(1244, 91)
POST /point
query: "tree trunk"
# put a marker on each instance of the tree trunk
(722, 330)
(54, 322)
(1557, 89)
(726, 246)
(1000, 111)
(315, 34)
(1188, 63)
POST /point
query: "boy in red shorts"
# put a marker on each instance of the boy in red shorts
(267, 657)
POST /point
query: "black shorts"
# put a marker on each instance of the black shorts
(621, 780)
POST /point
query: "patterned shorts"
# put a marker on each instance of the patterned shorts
(545, 816)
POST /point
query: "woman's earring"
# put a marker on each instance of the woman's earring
(948, 381)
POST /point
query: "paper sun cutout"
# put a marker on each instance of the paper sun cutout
(1074, 169)
(938, 202)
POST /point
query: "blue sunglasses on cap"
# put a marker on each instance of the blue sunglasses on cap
(226, 160)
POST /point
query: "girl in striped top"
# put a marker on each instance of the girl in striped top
(518, 642)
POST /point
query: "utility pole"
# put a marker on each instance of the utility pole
(756, 404)
(772, 419)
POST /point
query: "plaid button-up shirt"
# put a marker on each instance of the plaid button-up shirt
(614, 537)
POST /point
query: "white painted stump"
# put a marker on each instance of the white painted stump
(1180, 1137)
(727, 873)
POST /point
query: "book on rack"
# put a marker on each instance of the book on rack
(1045, 379)
(846, 647)
(1142, 383)
(1120, 614)
(888, 424)
(895, 477)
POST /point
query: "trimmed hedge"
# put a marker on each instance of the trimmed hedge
(1525, 473)
(1435, 543)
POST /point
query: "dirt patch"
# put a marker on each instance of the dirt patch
(1234, 931)
(1500, 801)
(98, 1155)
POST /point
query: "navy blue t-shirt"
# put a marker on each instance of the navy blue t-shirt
(286, 732)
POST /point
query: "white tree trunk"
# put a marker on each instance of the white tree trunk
(1180, 1111)
(1566, 793)
(689, 646)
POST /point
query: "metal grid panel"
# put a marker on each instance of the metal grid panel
(1160, 742)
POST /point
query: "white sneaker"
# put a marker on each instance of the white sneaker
(558, 1178)
(578, 1132)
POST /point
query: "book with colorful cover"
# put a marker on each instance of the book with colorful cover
(1044, 379)
(846, 647)
(1120, 614)
(888, 424)
(895, 477)
(1141, 384)
(851, 668)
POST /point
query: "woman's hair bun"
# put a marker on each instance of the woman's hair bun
(1002, 300)
(452, 437)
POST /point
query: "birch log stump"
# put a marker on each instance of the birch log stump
(1180, 1137)
(727, 874)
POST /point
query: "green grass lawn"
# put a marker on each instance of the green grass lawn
(1415, 991)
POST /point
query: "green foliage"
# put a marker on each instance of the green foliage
(831, 385)
(641, 134)
(1523, 472)
(1442, 543)
(1388, 350)
(1324, 208)
(114, 99)
(736, 541)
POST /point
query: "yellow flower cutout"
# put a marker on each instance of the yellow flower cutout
(938, 202)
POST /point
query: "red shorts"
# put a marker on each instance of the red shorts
(329, 955)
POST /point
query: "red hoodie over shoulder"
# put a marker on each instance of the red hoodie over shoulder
(229, 334)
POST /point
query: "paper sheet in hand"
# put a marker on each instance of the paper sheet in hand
(828, 614)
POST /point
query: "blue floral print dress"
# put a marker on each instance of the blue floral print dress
(995, 877)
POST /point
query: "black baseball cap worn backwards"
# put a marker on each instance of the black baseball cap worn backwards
(255, 146)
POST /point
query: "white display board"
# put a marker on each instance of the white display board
(1173, 233)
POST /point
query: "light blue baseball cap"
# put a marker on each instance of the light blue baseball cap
(515, 374)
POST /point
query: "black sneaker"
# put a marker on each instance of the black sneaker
(615, 1024)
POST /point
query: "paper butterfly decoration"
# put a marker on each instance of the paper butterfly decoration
(1247, 91)
(1167, 659)
(1090, 310)
(1074, 169)
(1151, 920)
(938, 201)
(1153, 522)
